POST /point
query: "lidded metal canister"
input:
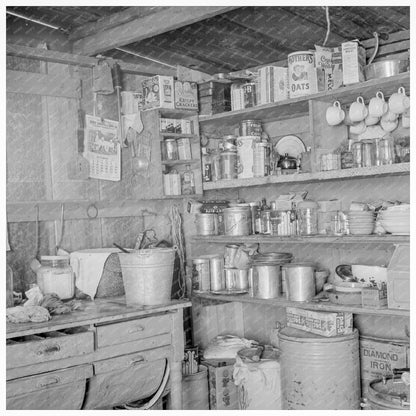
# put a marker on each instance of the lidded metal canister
(237, 220)
(319, 373)
(206, 223)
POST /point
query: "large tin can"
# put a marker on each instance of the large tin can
(245, 152)
(249, 92)
(201, 277)
(250, 128)
(229, 255)
(302, 73)
(237, 220)
(206, 223)
(236, 279)
(260, 159)
(216, 265)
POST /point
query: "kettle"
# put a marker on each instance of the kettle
(287, 162)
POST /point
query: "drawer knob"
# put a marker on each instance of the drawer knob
(49, 349)
(49, 381)
(137, 360)
(136, 329)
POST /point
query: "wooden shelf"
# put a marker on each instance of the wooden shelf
(179, 135)
(316, 306)
(385, 170)
(323, 239)
(298, 106)
(180, 162)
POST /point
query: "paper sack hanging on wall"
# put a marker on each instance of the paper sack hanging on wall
(102, 148)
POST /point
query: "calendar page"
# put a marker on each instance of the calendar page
(102, 148)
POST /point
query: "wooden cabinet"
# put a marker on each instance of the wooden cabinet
(104, 356)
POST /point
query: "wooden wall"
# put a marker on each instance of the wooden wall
(41, 142)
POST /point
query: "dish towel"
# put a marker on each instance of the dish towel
(88, 268)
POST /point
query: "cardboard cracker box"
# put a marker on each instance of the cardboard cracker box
(222, 390)
(158, 92)
(186, 95)
(327, 324)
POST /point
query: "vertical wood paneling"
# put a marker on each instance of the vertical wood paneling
(122, 231)
(80, 234)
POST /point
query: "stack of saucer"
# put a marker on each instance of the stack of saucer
(396, 219)
(361, 222)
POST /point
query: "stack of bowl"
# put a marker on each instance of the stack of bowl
(361, 222)
(396, 219)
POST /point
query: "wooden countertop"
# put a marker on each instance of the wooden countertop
(93, 312)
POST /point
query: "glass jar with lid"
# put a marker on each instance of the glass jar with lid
(55, 276)
(308, 217)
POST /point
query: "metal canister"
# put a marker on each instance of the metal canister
(245, 147)
(184, 148)
(216, 265)
(201, 278)
(206, 223)
(229, 255)
(236, 279)
(249, 92)
(171, 149)
(228, 165)
(368, 153)
(250, 128)
(237, 220)
(259, 159)
(357, 154)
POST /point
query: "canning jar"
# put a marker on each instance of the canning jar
(228, 164)
(308, 217)
(55, 276)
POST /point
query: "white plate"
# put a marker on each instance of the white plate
(292, 145)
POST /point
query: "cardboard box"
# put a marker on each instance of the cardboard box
(327, 324)
(186, 95)
(378, 357)
(158, 92)
(374, 297)
(398, 278)
(353, 62)
(222, 390)
(237, 97)
(131, 102)
(273, 84)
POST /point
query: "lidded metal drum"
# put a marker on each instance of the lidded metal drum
(237, 220)
(319, 373)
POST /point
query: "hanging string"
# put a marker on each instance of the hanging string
(328, 24)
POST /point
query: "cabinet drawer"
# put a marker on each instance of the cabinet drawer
(56, 390)
(33, 349)
(121, 332)
(126, 379)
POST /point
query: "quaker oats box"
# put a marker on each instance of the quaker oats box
(158, 92)
(186, 95)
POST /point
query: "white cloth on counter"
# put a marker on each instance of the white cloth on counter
(226, 347)
(21, 314)
(88, 268)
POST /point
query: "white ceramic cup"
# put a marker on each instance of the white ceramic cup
(358, 110)
(358, 128)
(399, 102)
(371, 120)
(389, 116)
(335, 114)
(378, 106)
(388, 126)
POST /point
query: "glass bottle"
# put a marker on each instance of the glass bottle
(308, 217)
(206, 165)
(257, 219)
(266, 226)
(188, 181)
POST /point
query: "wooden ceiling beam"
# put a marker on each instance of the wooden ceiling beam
(115, 19)
(145, 27)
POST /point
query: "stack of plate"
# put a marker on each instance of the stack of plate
(361, 222)
(396, 219)
(272, 258)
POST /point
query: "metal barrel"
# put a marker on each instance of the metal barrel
(319, 373)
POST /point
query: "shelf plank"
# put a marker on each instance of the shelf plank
(180, 162)
(323, 239)
(297, 106)
(316, 306)
(353, 173)
(179, 135)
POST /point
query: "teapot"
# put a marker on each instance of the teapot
(287, 162)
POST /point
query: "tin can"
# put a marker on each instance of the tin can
(201, 278)
(216, 265)
(368, 153)
(357, 154)
(231, 277)
(184, 148)
(250, 128)
(171, 149)
(250, 282)
(259, 159)
(206, 223)
(245, 147)
(249, 92)
(347, 160)
(228, 164)
(229, 255)
(237, 220)
(302, 73)
(241, 280)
